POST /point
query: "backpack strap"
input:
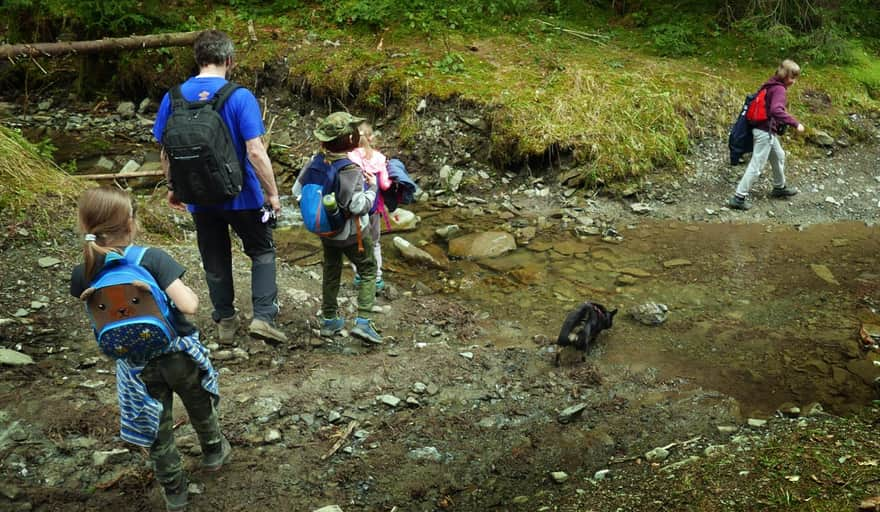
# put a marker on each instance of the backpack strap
(219, 98)
(177, 99)
(134, 254)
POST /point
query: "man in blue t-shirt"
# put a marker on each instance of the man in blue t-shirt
(241, 114)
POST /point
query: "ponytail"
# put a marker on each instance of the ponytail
(366, 133)
(106, 218)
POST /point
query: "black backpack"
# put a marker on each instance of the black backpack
(740, 140)
(205, 169)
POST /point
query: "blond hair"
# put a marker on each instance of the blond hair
(106, 218)
(788, 69)
(366, 133)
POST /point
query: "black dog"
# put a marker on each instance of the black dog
(583, 325)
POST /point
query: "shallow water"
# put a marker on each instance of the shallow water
(754, 311)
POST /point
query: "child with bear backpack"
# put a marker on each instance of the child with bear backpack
(374, 163)
(146, 381)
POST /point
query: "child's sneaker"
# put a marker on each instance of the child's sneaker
(380, 284)
(331, 326)
(366, 331)
(216, 455)
(357, 280)
(176, 498)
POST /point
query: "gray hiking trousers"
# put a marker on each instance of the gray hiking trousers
(215, 246)
(766, 147)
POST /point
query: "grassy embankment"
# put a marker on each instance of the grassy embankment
(582, 85)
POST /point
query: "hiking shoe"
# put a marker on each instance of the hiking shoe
(226, 329)
(739, 203)
(380, 284)
(215, 455)
(266, 331)
(783, 192)
(366, 331)
(357, 280)
(176, 498)
(331, 326)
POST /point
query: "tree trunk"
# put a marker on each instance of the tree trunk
(101, 45)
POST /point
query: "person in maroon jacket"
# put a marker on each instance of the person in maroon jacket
(766, 134)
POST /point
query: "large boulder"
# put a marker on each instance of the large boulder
(482, 245)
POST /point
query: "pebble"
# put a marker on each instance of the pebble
(559, 476)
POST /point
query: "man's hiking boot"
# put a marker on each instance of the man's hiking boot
(783, 192)
(739, 203)
(226, 329)
(215, 455)
(331, 326)
(176, 498)
(266, 331)
(366, 331)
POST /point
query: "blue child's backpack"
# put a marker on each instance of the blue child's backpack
(740, 140)
(321, 178)
(130, 314)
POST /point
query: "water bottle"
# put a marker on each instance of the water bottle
(334, 214)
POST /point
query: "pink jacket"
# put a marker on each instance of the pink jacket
(375, 166)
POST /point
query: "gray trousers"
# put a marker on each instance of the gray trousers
(766, 147)
(215, 246)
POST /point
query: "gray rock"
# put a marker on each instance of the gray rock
(821, 138)
(601, 474)
(657, 454)
(640, 208)
(389, 400)
(48, 261)
(328, 508)
(447, 232)
(272, 436)
(679, 464)
(126, 109)
(650, 313)
(482, 245)
(571, 413)
(757, 423)
(105, 164)
(420, 388)
(426, 453)
(101, 458)
(130, 167)
(559, 476)
(13, 358)
(412, 253)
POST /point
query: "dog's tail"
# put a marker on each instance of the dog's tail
(571, 321)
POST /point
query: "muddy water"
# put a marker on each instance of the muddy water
(767, 314)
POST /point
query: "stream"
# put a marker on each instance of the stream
(768, 314)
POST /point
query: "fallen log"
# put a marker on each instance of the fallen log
(117, 175)
(100, 45)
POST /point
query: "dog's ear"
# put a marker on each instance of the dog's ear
(612, 312)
